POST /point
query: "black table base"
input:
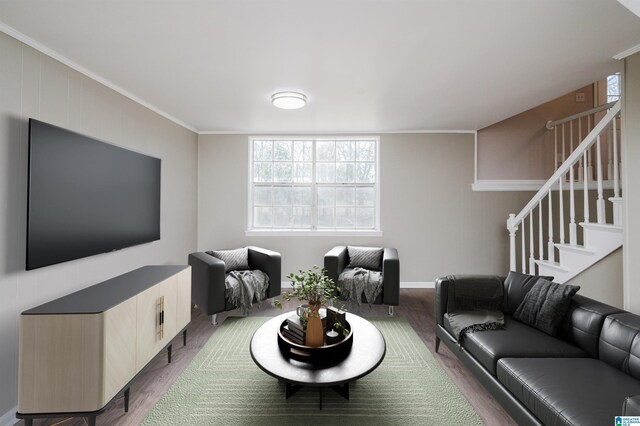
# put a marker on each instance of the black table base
(342, 390)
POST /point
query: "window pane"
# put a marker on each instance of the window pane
(302, 172)
(262, 172)
(366, 173)
(282, 172)
(345, 172)
(281, 196)
(365, 197)
(345, 196)
(325, 172)
(282, 216)
(302, 151)
(366, 151)
(302, 196)
(262, 150)
(282, 151)
(302, 217)
(326, 196)
(325, 217)
(365, 218)
(325, 151)
(345, 151)
(345, 217)
(262, 217)
(262, 196)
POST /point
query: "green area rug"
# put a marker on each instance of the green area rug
(223, 386)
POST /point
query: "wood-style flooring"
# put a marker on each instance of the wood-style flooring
(416, 305)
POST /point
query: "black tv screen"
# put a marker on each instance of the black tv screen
(86, 196)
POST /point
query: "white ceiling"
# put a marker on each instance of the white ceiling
(365, 65)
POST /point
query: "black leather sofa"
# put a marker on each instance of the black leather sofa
(586, 375)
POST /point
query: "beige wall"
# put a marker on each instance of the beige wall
(603, 281)
(631, 181)
(34, 85)
(428, 210)
(520, 147)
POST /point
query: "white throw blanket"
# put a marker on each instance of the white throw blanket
(355, 282)
(241, 287)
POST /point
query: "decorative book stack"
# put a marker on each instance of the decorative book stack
(295, 330)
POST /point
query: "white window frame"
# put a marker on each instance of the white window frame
(376, 232)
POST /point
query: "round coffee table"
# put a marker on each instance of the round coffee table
(367, 352)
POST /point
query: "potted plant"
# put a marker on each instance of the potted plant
(315, 288)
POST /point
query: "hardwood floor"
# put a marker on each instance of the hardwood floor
(416, 305)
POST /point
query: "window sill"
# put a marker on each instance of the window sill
(309, 233)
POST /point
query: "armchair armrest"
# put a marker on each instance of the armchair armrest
(631, 406)
(207, 282)
(270, 263)
(391, 277)
(335, 261)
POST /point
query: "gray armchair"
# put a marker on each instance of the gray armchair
(208, 275)
(337, 259)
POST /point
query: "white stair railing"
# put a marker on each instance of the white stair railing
(580, 158)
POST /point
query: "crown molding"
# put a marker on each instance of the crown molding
(332, 132)
(630, 51)
(12, 32)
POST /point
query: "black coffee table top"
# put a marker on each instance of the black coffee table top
(366, 354)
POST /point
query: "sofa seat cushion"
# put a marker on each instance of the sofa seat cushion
(565, 391)
(516, 340)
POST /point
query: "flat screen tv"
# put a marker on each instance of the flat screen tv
(86, 196)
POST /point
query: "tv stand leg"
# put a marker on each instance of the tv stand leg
(169, 353)
(28, 422)
(184, 337)
(126, 400)
(91, 420)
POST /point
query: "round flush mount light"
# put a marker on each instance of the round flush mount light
(289, 100)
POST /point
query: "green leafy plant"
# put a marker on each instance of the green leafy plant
(312, 286)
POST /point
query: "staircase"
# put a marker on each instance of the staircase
(582, 175)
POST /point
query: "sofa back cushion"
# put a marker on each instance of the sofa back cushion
(583, 323)
(620, 343)
(516, 287)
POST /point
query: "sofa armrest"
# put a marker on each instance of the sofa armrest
(631, 406)
(441, 299)
(445, 290)
(391, 277)
(207, 282)
(335, 261)
(270, 263)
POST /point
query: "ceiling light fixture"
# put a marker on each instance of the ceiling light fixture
(289, 100)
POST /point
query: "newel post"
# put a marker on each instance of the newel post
(512, 241)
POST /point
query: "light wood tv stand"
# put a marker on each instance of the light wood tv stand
(79, 352)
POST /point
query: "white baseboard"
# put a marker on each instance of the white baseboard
(403, 284)
(9, 418)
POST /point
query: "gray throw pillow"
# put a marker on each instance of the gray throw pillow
(365, 257)
(545, 305)
(234, 260)
(516, 287)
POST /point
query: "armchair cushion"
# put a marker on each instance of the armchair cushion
(365, 257)
(234, 260)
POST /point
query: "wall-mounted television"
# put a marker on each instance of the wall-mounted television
(86, 196)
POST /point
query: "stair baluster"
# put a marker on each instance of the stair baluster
(532, 262)
(586, 190)
(523, 252)
(600, 203)
(580, 161)
(540, 239)
(550, 245)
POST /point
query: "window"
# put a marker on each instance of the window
(613, 87)
(321, 185)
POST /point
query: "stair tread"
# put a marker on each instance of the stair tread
(577, 248)
(603, 226)
(554, 265)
